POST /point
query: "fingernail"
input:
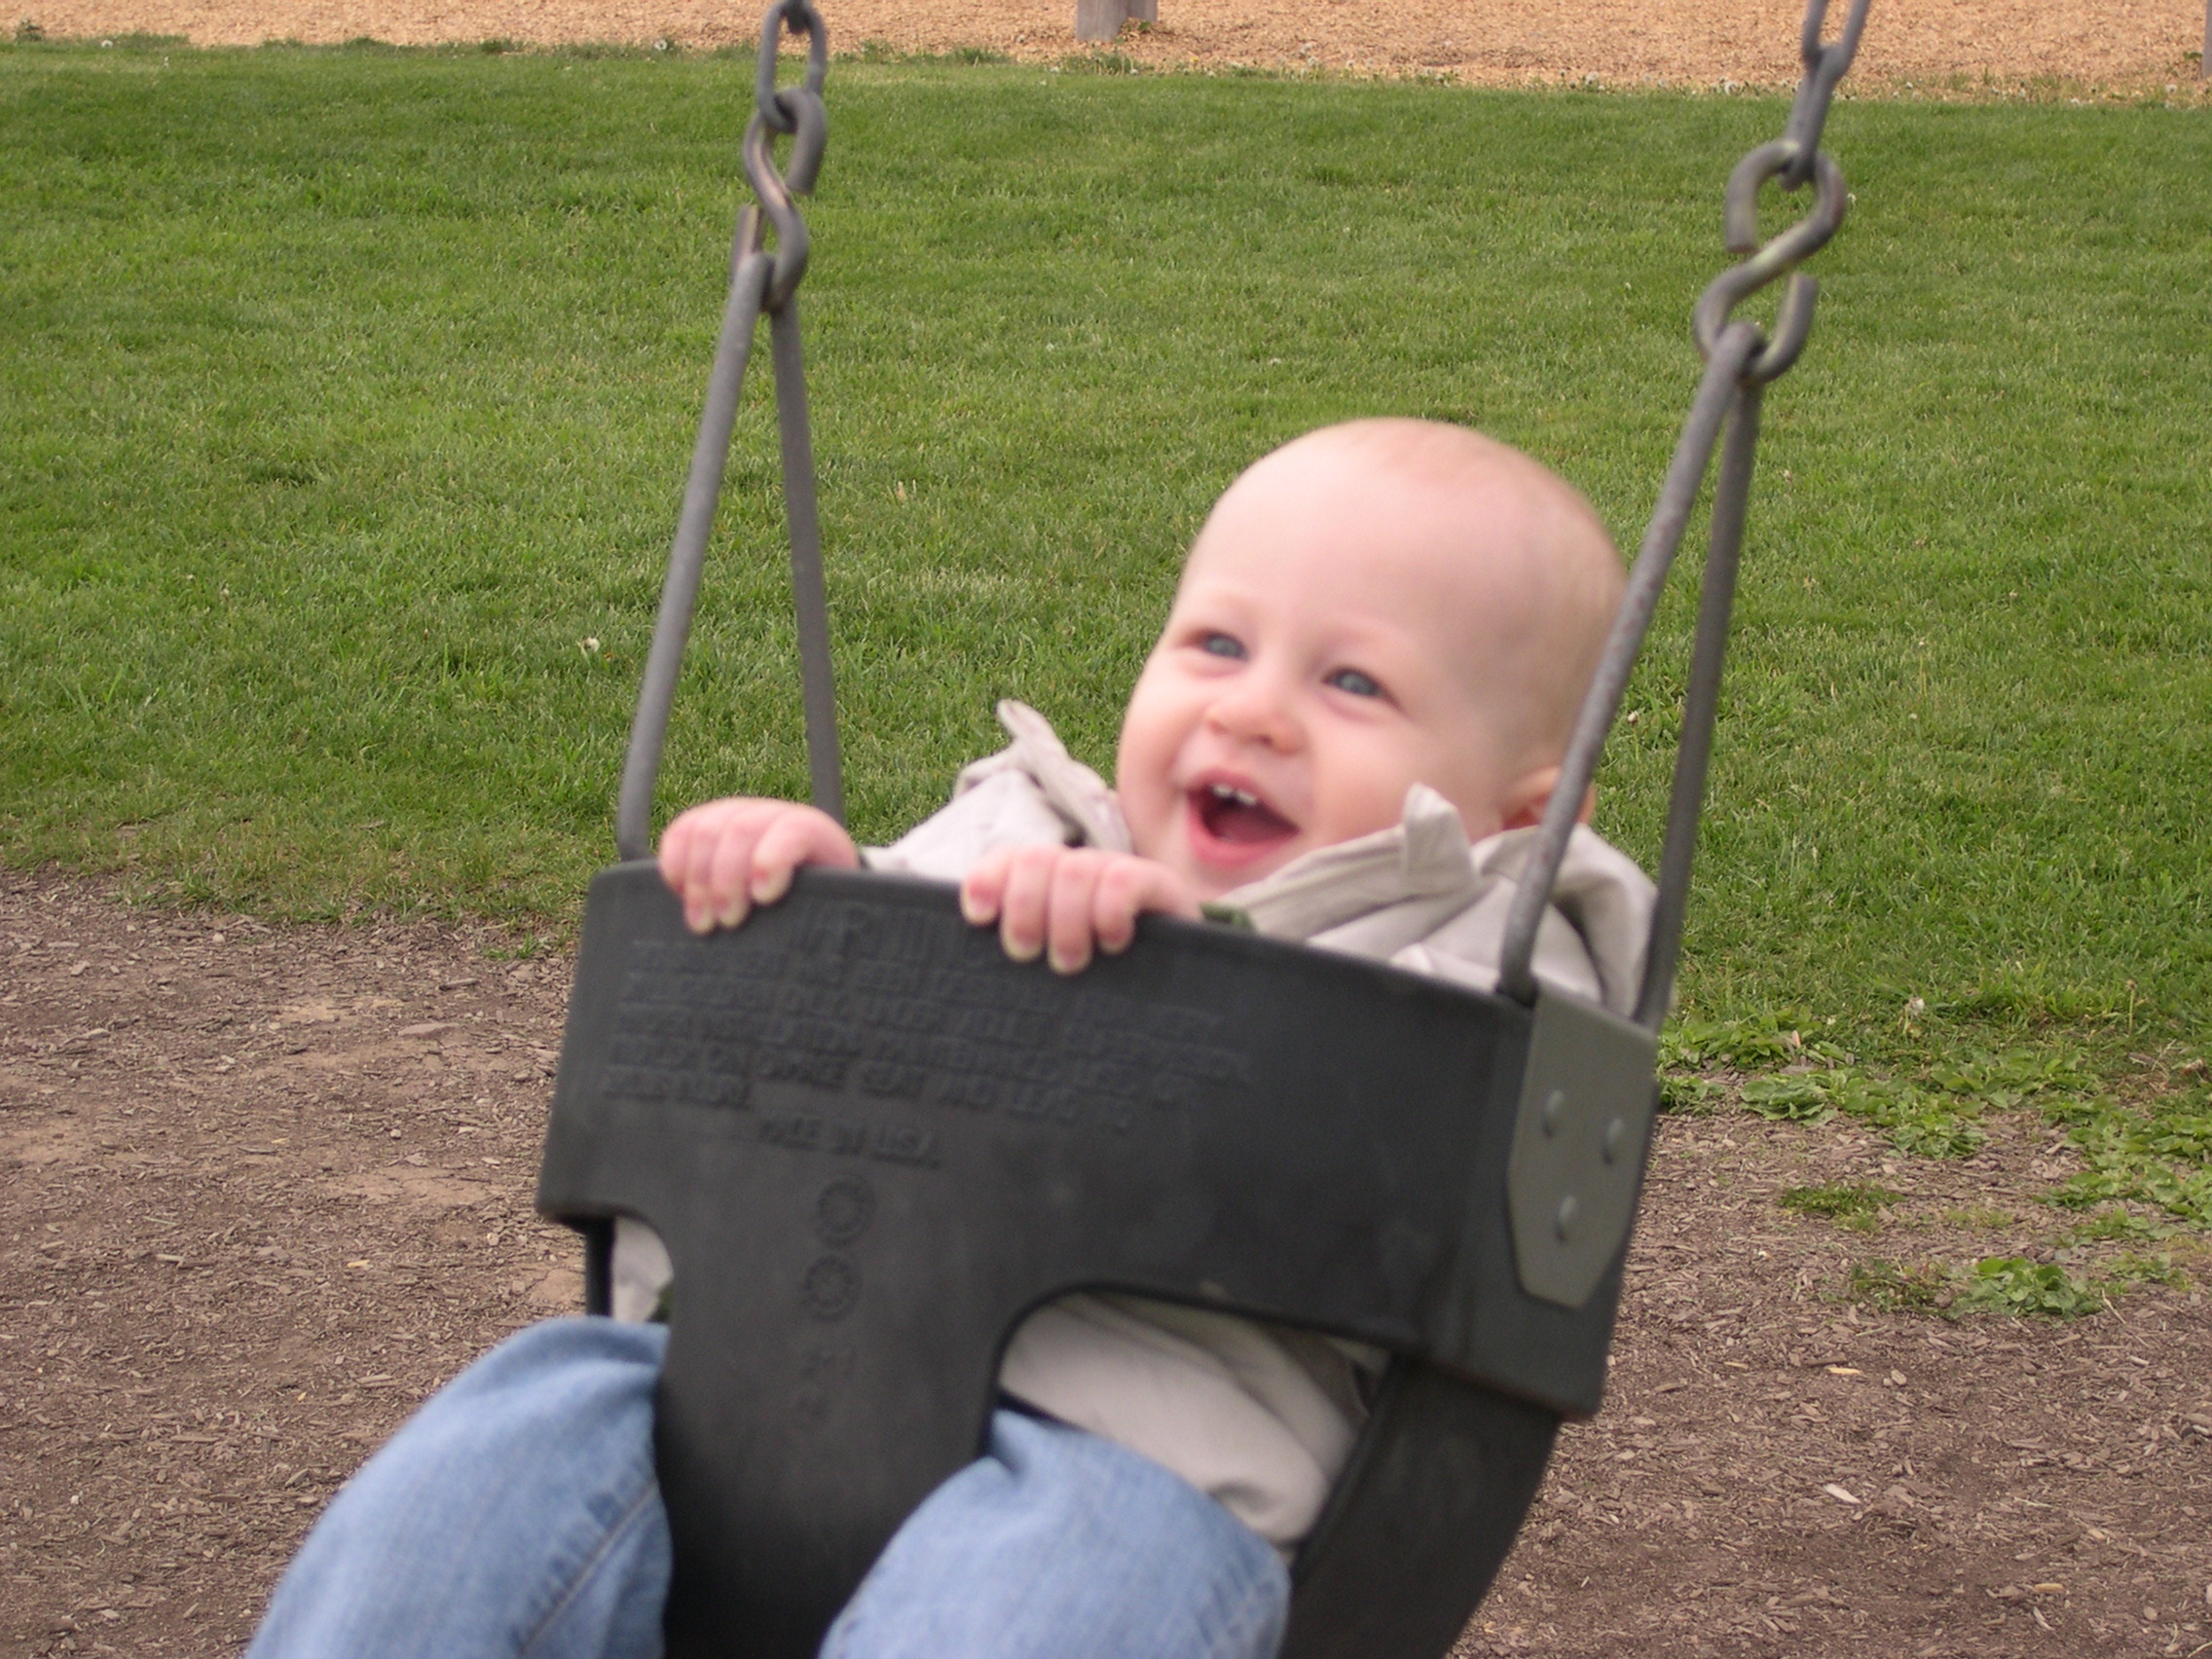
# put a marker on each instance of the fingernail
(1020, 950)
(734, 911)
(1064, 966)
(974, 911)
(697, 919)
(771, 885)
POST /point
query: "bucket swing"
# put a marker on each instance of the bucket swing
(872, 1144)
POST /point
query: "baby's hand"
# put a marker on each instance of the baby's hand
(725, 857)
(1065, 900)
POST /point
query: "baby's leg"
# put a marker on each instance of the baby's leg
(1061, 1545)
(515, 1516)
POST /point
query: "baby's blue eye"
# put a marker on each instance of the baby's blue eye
(1351, 681)
(1222, 646)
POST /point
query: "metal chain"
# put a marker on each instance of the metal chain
(1824, 67)
(1741, 358)
(760, 280)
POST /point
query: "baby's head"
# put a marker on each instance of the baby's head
(1373, 606)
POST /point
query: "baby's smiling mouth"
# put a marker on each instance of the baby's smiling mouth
(1237, 818)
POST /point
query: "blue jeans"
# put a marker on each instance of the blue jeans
(516, 1516)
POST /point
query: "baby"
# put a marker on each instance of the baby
(1351, 721)
(1381, 638)
(1373, 607)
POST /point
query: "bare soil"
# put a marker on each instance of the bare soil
(265, 1188)
(2112, 47)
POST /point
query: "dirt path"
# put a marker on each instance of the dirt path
(261, 1190)
(2115, 46)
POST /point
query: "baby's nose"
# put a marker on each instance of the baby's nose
(1257, 711)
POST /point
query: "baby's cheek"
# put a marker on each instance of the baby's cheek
(1374, 799)
(1149, 811)
(1169, 851)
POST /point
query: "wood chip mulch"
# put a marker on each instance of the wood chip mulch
(1970, 46)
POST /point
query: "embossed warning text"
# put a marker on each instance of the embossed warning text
(900, 1006)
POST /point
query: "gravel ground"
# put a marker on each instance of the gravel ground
(263, 1188)
(2128, 47)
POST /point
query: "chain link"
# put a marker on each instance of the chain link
(1824, 67)
(1790, 160)
(798, 111)
(1772, 260)
(1740, 359)
(783, 109)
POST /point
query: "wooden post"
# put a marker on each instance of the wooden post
(1148, 10)
(1101, 19)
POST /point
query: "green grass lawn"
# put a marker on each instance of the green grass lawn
(344, 393)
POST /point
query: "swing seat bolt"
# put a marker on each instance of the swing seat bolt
(1554, 1104)
(1568, 1210)
(1616, 1132)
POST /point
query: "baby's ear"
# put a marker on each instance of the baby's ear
(1531, 795)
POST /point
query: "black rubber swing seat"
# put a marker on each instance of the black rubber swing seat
(872, 1144)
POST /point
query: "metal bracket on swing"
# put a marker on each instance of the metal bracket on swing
(1578, 1150)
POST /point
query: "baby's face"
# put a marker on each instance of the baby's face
(1326, 650)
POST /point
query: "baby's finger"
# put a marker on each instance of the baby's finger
(674, 853)
(1129, 888)
(798, 835)
(728, 860)
(984, 887)
(1023, 901)
(1068, 923)
(1116, 901)
(680, 844)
